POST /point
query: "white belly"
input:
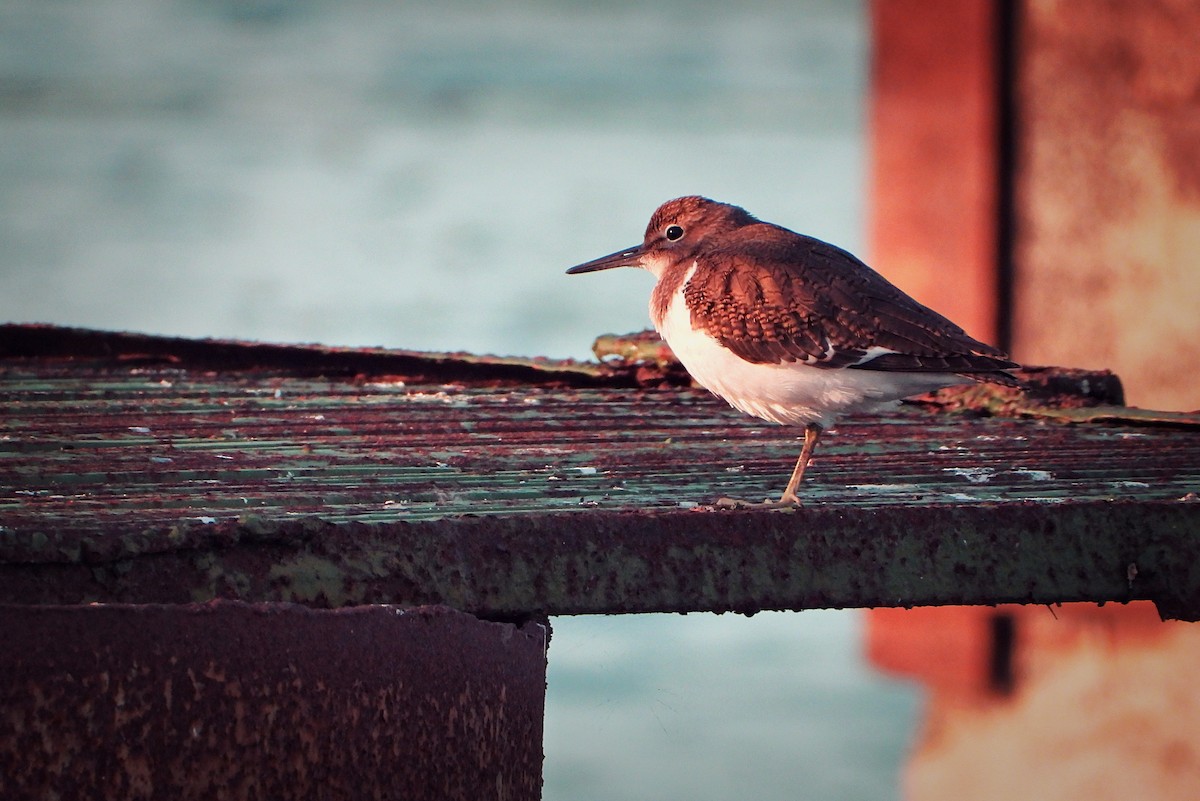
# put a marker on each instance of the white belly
(790, 394)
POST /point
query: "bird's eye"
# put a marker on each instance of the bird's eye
(673, 232)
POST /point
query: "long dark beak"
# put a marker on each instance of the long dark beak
(630, 257)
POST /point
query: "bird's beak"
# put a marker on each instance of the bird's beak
(630, 257)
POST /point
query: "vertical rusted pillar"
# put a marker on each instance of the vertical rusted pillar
(934, 128)
(268, 701)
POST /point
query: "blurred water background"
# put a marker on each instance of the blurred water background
(418, 175)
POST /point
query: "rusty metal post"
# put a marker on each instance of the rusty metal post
(935, 194)
(268, 701)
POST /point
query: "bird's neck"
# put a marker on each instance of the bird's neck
(669, 282)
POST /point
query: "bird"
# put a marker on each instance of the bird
(789, 328)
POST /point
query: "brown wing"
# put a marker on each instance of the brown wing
(774, 296)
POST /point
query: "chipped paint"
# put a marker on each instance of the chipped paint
(975, 475)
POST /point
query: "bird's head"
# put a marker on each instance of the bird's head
(678, 230)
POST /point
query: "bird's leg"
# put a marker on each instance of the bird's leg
(812, 433)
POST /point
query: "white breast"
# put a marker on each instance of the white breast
(790, 393)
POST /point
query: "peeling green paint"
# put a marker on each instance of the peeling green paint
(308, 578)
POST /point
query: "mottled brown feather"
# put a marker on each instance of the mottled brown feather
(771, 296)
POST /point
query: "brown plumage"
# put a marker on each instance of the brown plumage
(787, 327)
(771, 295)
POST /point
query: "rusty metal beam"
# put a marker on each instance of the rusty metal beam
(156, 482)
(51, 342)
(512, 566)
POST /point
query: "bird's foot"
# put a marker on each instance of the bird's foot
(789, 498)
(786, 502)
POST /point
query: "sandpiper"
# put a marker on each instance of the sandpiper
(789, 328)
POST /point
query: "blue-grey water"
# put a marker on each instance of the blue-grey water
(418, 175)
